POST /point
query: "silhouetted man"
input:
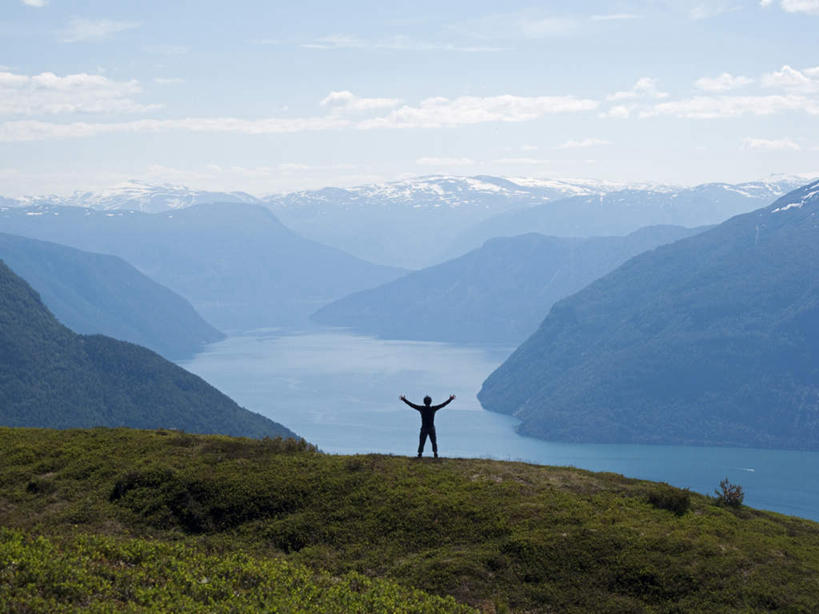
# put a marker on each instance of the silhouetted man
(428, 421)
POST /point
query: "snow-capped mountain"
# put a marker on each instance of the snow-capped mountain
(140, 196)
(417, 222)
(482, 191)
(423, 220)
(620, 212)
(797, 199)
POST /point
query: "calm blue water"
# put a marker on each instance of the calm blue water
(340, 391)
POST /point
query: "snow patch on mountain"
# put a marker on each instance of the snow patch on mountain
(810, 194)
(482, 192)
(139, 196)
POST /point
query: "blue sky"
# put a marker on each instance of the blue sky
(270, 96)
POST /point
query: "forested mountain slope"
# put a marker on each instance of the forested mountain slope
(712, 340)
(53, 377)
(100, 294)
(498, 293)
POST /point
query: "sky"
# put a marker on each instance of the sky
(277, 96)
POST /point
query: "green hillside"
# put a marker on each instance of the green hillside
(52, 377)
(712, 340)
(100, 294)
(106, 518)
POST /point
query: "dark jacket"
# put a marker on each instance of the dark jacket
(427, 412)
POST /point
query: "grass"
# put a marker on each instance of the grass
(492, 535)
(100, 573)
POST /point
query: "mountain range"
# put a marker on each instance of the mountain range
(236, 263)
(410, 223)
(100, 294)
(421, 221)
(498, 293)
(136, 196)
(52, 377)
(625, 210)
(712, 340)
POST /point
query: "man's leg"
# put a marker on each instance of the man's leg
(421, 441)
(434, 439)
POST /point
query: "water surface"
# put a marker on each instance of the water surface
(340, 391)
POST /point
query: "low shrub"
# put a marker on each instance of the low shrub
(665, 497)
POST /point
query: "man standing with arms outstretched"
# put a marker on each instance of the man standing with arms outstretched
(428, 421)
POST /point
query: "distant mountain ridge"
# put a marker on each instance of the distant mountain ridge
(421, 221)
(52, 377)
(498, 293)
(236, 263)
(446, 190)
(623, 211)
(712, 340)
(101, 294)
(138, 196)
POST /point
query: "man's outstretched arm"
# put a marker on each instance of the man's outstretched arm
(445, 403)
(413, 405)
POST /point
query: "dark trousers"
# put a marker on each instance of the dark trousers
(427, 430)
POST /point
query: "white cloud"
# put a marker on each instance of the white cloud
(753, 144)
(810, 7)
(806, 80)
(87, 30)
(48, 93)
(646, 87)
(31, 130)
(35, 3)
(466, 110)
(168, 80)
(712, 8)
(581, 143)
(429, 113)
(722, 83)
(709, 107)
(620, 111)
(346, 101)
(395, 43)
(431, 161)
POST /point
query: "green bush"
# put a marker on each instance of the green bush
(729, 494)
(665, 497)
(104, 574)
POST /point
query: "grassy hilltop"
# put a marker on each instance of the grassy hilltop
(102, 519)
